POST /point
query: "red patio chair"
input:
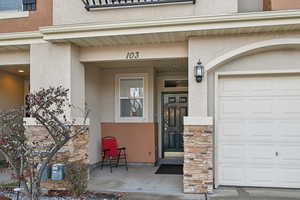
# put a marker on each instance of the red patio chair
(112, 152)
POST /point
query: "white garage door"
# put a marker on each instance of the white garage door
(258, 131)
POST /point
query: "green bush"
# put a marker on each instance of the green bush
(77, 176)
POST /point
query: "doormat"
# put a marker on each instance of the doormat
(170, 169)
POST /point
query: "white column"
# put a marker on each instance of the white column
(53, 65)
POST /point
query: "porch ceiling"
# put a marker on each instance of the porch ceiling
(15, 70)
(19, 41)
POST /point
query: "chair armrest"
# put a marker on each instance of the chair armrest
(122, 148)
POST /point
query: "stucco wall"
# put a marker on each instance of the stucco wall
(100, 98)
(139, 139)
(11, 90)
(14, 58)
(38, 18)
(208, 49)
(285, 4)
(53, 65)
(73, 11)
(285, 59)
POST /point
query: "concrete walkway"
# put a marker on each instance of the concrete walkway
(141, 183)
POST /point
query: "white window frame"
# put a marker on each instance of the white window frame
(13, 14)
(118, 117)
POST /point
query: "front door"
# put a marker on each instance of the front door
(175, 107)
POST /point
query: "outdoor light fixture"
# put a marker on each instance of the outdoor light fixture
(199, 71)
(21, 71)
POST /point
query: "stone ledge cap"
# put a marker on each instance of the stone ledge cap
(198, 121)
(78, 122)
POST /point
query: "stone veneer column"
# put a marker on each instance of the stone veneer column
(75, 151)
(198, 155)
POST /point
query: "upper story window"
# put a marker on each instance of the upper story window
(92, 4)
(17, 5)
(11, 5)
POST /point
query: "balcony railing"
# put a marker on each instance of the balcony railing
(94, 4)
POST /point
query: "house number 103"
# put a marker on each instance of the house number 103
(133, 55)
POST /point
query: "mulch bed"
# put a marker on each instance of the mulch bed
(64, 195)
(55, 195)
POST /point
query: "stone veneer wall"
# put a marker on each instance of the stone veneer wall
(198, 159)
(76, 150)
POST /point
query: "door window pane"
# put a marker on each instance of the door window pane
(10, 5)
(131, 97)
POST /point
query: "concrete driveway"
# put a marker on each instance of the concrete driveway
(226, 194)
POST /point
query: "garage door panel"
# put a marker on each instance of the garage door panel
(262, 154)
(259, 107)
(231, 174)
(232, 130)
(288, 177)
(287, 85)
(258, 131)
(289, 155)
(259, 176)
(288, 107)
(232, 153)
(288, 131)
(232, 108)
(233, 87)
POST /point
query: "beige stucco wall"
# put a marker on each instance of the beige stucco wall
(93, 100)
(208, 49)
(73, 11)
(100, 98)
(285, 4)
(11, 90)
(53, 65)
(14, 58)
(147, 51)
(281, 59)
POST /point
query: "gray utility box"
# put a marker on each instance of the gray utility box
(58, 172)
(46, 173)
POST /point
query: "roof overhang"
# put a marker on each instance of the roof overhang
(171, 30)
(19, 41)
(156, 31)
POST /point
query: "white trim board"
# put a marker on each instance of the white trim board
(13, 14)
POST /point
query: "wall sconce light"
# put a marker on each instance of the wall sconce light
(199, 71)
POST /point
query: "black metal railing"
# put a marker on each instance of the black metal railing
(94, 4)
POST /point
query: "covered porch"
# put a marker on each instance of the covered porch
(140, 103)
(14, 81)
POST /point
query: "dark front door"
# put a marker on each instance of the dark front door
(175, 107)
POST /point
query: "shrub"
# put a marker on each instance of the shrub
(77, 176)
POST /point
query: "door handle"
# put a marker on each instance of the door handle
(276, 154)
